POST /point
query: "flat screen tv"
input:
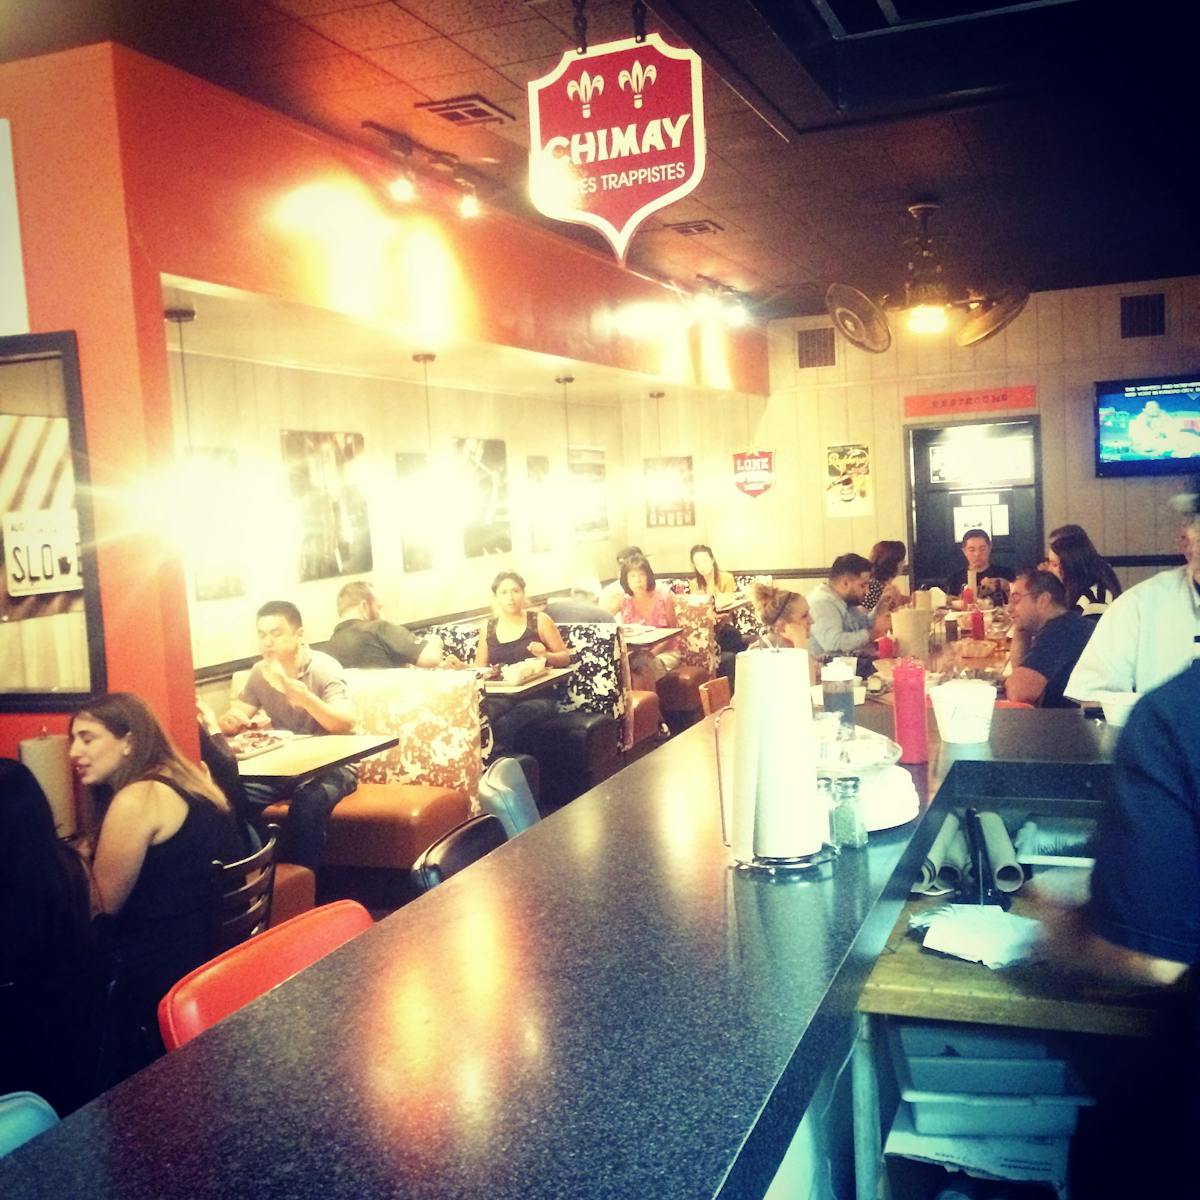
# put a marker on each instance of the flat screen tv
(1148, 426)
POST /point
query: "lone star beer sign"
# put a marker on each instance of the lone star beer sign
(616, 134)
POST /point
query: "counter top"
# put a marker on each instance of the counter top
(600, 1008)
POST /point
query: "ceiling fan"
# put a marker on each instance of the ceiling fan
(926, 298)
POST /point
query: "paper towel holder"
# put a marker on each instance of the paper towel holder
(761, 864)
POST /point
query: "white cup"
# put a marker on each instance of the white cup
(963, 709)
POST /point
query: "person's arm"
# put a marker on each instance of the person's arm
(432, 652)
(1024, 684)
(1108, 661)
(331, 711)
(237, 717)
(551, 647)
(405, 647)
(128, 828)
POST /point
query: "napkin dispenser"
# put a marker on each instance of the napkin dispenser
(772, 816)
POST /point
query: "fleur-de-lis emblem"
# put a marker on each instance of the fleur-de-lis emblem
(586, 88)
(637, 81)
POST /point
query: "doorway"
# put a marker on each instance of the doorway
(974, 476)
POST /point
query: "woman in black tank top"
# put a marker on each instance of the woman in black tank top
(163, 824)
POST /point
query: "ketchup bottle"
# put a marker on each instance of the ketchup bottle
(908, 692)
(968, 597)
(977, 624)
(887, 646)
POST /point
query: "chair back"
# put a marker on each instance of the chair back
(600, 682)
(246, 971)
(504, 792)
(240, 895)
(463, 845)
(23, 1115)
(714, 695)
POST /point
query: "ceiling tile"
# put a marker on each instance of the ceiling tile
(389, 103)
(375, 25)
(459, 15)
(342, 73)
(605, 22)
(483, 82)
(279, 42)
(522, 40)
(310, 8)
(522, 72)
(423, 60)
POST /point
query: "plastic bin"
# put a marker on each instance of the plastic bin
(938, 1039)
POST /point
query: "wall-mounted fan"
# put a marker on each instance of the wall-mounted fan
(926, 298)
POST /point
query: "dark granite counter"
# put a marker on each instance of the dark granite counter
(600, 1008)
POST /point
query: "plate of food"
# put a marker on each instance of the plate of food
(252, 742)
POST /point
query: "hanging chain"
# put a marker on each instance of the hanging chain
(639, 21)
(580, 26)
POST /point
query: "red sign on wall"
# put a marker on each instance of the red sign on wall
(616, 134)
(754, 471)
(956, 404)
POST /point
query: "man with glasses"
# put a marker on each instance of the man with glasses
(1048, 638)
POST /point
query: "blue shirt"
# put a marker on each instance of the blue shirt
(837, 628)
(1055, 651)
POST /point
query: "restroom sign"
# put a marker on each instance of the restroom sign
(41, 552)
(616, 134)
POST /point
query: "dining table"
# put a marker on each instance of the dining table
(527, 687)
(302, 756)
(646, 637)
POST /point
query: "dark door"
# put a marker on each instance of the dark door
(984, 476)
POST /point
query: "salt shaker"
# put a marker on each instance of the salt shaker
(849, 830)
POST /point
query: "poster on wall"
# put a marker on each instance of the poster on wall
(323, 472)
(480, 482)
(416, 535)
(39, 537)
(539, 502)
(589, 493)
(848, 487)
(670, 500)
(215, 566)
(754, 471)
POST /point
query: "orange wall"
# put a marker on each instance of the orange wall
(127, 169)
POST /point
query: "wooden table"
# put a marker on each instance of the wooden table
(303, 756)
(497, 687)
(646, 639)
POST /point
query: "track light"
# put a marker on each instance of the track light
(403, 188)
(468, 204)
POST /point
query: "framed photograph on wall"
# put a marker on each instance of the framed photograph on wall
(481, 481)
(323, 476)
(588, 493)
(539, 502)
(416, 531)
(670, 496)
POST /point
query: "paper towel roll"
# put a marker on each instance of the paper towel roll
(775, 811)
(921, 600)
(932, 866)
(1007, 874)
(46, 757)
(911, 629)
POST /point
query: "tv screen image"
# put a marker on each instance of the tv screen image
(1148, 426)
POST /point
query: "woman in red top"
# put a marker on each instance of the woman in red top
(644, 604)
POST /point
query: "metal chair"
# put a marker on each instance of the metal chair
(457, 849)
(246, 971)
(715, 695)
(23, 1115)
(240, 896)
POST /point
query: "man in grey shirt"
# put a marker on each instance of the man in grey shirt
(303, 691)
(363, 639)
(839, 625)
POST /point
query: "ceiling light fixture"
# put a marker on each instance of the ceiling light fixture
(925, 299)
(468, 203)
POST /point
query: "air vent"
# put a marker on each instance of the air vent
(692, 228)
(816, 347)
(1144, 316)
(467, 110)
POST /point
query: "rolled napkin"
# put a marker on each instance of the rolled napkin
(1007, 874)
(956, 861)
(931, 868)
(46, 757)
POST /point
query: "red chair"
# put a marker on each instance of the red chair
(224, 984)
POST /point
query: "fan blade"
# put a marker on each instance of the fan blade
(858, 318)
(994, 313)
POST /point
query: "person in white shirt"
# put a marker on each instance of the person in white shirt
(1150, 633)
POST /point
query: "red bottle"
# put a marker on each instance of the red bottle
(887, 646)
(912, 729)
(968, 597)
(977, 624)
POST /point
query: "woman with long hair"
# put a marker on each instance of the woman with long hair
(1091, 584)
(51, 983)
(709, 579)
(887, 557)
(162, 824)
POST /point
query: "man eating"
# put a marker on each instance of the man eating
(992, 580)
(303, 691)
(1048, 639)
(839, 624)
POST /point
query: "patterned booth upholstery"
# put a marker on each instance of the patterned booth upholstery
(461, 640)
(410, 795)
(679, 690)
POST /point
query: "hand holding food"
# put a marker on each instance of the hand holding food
(538, 650)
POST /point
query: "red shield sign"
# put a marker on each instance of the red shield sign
(754, 471)
(616, 134)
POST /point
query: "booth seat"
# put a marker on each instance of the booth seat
(409, 796)
(679, 689)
